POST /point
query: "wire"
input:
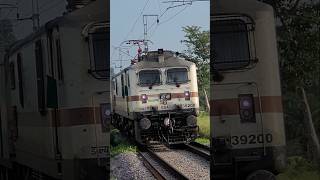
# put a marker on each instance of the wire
(174, 15)
(167, 20)
(156, 21)
(132, 28)
(123, 52)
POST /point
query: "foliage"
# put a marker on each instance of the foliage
(198, 51)
(204, 141)
(204, 125)
(299, 169)
(299, 47)
(122, 148)
(119, 144)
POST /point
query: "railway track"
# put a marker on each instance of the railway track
(199, 149)
(158, 166)
(163, 168)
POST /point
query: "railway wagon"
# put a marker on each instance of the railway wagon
(55, 99)
(156, 99)
(247, 126)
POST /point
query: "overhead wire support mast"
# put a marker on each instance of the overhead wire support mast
(145, 29)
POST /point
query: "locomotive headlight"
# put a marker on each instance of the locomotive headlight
(144, 98)
(191, 120)
(246, 106)
(145, 123)
(187, 95)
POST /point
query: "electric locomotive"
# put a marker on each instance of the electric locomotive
(156, 99)
(247, 126)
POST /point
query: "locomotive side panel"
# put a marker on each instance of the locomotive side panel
(27, 120)
(58, 105)
(79, 92)
(246, 111)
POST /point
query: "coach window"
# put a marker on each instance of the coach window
(231, 43)
(20, 79)
(12, 76)
(99, 52)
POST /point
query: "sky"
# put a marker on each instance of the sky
(127, 23)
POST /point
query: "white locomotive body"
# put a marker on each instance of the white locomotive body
(157, 99)
(247, 125)
(54, 97)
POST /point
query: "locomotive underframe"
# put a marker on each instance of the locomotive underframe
(239, 163)
(179, 133)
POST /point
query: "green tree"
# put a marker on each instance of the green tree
(198, 51)
(299, 47)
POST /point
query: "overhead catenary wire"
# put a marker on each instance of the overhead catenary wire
(131, 30)
(136, 21)
(161, 14)
(169, 19)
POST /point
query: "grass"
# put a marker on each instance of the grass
(122, 148)
(204, 125)
(119, 144)
(299, 169)
(204, 141)
(204, 128)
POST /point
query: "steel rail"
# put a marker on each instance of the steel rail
(199, 149)
(151, 168)
(168, 167)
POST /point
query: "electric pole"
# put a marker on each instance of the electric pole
(145, 29)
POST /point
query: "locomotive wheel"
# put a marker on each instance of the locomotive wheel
(261, 175)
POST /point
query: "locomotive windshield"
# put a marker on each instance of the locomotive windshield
(177, 75)
(149, 77)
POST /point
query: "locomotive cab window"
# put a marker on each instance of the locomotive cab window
(232, 42)
(149, 77)
(99, 51)
(177, 75)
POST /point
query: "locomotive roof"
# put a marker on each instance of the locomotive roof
(170, 60)
(80, 15)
